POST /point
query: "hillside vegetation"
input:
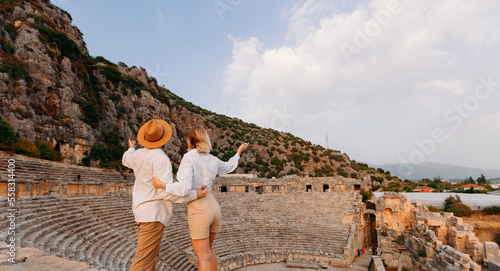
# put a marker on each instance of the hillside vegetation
(55, 95)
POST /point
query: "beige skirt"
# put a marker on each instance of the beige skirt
(203, 217)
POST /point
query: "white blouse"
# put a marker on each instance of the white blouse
(197, 169)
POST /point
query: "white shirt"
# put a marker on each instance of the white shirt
(148, 203)
(197, 169)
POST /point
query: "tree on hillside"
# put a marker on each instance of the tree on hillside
(481, 180)
(408, 189)
(7, 134)
(456, 206)
(469, 180)
(434, 185)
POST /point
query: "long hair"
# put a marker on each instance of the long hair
(198, 139)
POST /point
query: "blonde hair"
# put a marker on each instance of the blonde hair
(198, 139)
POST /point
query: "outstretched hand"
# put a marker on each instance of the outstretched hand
(157, 184)
(201, 192)
(132, 143)
(242, 148)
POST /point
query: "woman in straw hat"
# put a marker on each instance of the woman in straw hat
(152, 208)
(198, 167)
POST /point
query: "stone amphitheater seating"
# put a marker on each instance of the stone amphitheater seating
(36, 169)
(100, 230)
(309, 222)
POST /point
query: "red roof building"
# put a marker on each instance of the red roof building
(423, 189)
(468, 186)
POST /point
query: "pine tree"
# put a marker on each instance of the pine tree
(469, 180)
(481, 180)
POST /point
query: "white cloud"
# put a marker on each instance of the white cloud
(413, 60)
(245, 57)
(303, 18)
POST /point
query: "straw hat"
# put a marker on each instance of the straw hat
(154, 134)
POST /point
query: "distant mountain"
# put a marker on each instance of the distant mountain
(495, 180)
(430, 170)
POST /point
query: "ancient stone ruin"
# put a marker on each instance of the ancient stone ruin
(409, 236)
(316, 220)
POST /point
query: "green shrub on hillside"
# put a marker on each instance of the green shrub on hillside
(7, 134)
(103, 60)
(48, 152)
(456, 206)
(99, 152)
(7, 6)
(91, 115)
(13, 66)
(343, 174)
(492, 210)
(24, 147)
(377, 179)
(272, 174)
(408, 189)
(276, 161)
(8, 142)
(366, 195)
(359, 166)
(112, 74)
(86, 161)
(227, 155)
(338, 158)
(66, 45)
(6, 46)
(260, 161)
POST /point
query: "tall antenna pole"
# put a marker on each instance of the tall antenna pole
(326, 146)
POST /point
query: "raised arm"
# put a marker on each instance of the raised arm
(232, 164)
(126, 158)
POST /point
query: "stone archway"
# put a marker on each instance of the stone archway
(370, 228)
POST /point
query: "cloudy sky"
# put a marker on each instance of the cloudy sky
(386, 81)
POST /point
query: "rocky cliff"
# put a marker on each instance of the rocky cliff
(53, 91)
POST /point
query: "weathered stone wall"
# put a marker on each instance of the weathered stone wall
(289, 184)
(40, 177)
(414, 238)
(376, 264)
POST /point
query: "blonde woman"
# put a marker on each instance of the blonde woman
(198, 167)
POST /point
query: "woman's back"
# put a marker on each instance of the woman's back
(202, 168)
